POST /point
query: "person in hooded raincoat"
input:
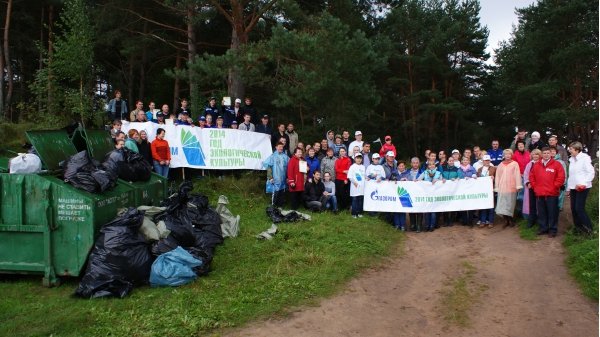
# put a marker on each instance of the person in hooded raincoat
(276, 165)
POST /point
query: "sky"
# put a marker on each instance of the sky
(499, 17)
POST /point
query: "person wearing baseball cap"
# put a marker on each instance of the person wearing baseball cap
(160, 118)
(264, 126)
(234, 125)
(389, 164)
(387, 146)
(456, 156)
(357, 142)
(337, 145)
(375, 171)
(211, 108)
(486, 216)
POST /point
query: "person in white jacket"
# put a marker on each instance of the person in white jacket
(356, 176)
(375, 171)
(581, 174)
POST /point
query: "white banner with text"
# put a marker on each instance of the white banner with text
(423, 197)
(210, 148)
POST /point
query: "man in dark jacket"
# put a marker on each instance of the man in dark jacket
(248, 108)
(313, 192)
(211, 108)
(263, 126)
(279, 133)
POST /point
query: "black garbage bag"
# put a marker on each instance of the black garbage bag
(164, 245)
(120, 259)
(276, 217)
(111, 161)
(105, 180)
(207, 238)
(76, 163)
(134, 167)
(84, 181)
(201, 255)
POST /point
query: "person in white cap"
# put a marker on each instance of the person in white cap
(389, 166)
(536, 142)
(375, 171)
(357, 142)
(456, 156)
(486, 216)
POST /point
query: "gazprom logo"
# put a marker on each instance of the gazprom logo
(405, 199)
(375, 196)
(192, 149)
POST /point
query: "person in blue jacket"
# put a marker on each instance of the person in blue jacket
(495, 153)
(313, 163)
(276, 165)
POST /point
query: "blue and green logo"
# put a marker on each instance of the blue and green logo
(192, 149)
(405, 199)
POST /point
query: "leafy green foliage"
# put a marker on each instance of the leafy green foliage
(250, 278)
(547, 72)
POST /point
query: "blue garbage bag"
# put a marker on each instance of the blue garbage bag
(174, 268)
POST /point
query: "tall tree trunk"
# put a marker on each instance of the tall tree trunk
(9, 71)
(191, 39)
(413, 114)
(141, 89)
(235, 85)
(49, 102)
(176, 84)
(130, 99)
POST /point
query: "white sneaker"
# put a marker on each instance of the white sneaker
(479, 222)
(355, 216)
(360, 215)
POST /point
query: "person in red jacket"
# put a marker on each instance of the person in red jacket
(342, 186)
(387, 146)
(161, 153)
(546, 178)
(296, 172)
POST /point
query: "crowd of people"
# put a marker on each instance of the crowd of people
(529, 177)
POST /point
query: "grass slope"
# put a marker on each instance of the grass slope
(582, 251)
(249, 279)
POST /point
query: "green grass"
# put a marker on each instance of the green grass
(460, 294)
(527, 233)
(250, 279)
(582, 251)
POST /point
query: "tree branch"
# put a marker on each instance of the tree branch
(183, 31)
(222, 10)
(259, 15)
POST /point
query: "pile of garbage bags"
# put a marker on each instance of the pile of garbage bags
(127, 165)
(87, 174)
(126, 255)
(95, 177)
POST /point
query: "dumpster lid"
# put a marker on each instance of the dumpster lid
(99, 143)
(53, 146)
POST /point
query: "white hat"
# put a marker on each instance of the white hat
(390, 154)
(455, 151)
(376, 155)
(237, 100)
(486, 157)
(357, 133)
(535, 135)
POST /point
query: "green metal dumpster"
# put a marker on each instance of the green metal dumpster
(49, 227)
(98, 143)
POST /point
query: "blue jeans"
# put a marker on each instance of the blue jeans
(357, 204)
(162, 170)
(430, 220)
(486, 215)
(580, 218)
(331, 203)
(399, 220)
(547, 213)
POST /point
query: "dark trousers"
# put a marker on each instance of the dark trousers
(547, 210)
(295, 199)
(357, 204)
(449, 218)
(399, 220)
(279, 198)
(415, 220)
(342, 191)
(533, 218)
(580, 218)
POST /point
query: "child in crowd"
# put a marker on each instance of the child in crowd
(329, 200)
(433, 175)
(356, 176)
(486, 216)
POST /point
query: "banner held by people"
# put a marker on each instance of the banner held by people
(210, 148)
(424, 197)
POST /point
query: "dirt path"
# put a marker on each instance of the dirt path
(527, 292)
